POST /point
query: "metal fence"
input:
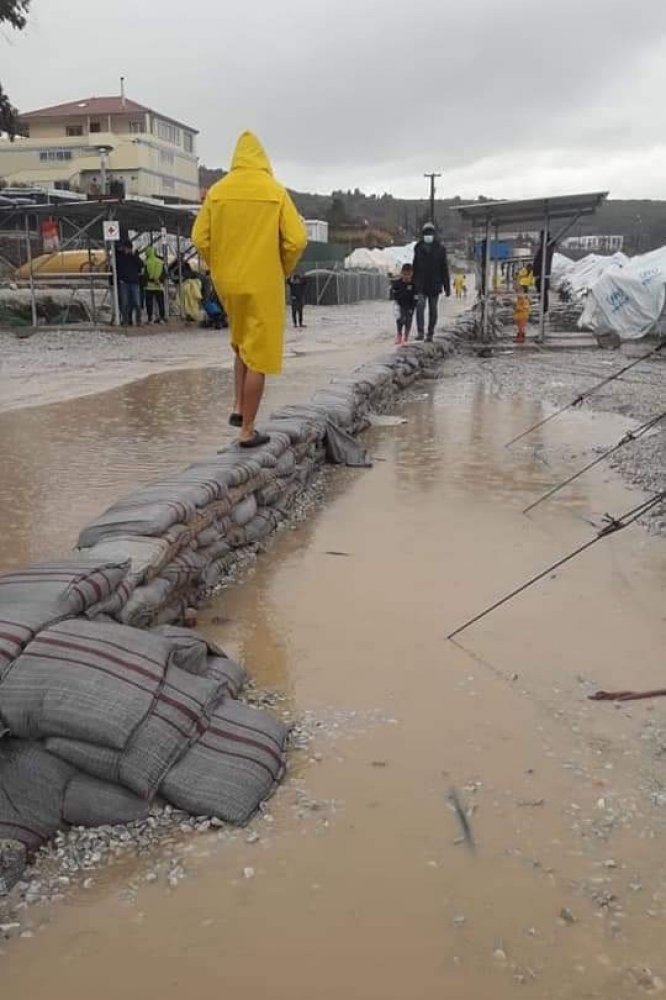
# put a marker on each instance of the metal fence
(337, 288)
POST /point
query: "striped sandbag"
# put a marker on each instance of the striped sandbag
(84, 680)
(145, 603)
(19, 624)
(229, 673)
(180, 716)
(91, 802)
(190, 648)
(72, 585)
(134, 517)
(244, 511)
(232, 768)
(32, 786)
(101, 762)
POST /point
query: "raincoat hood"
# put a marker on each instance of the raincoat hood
(250, 154)
(154, 265)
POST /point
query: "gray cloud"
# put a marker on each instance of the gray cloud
(504, 96)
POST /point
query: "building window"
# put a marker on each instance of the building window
(168, 184)
(95, 126)
(72, 130)
(49, 155)
(168, 132)
(167, 159)
(188, 142)
(137, 128)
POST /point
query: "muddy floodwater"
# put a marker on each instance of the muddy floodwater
(358, 883)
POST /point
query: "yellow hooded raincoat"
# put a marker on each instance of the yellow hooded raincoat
(251, 236)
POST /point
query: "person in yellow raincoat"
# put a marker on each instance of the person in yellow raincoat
(250, 234)
(521, 314)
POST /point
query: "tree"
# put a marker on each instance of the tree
(14, 13)
(337, 214)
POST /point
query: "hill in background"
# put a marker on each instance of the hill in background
(358, 219)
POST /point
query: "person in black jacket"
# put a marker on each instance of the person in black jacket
(404, 296)
(297, 284)
(537, 265)
(431, 277)
(129, 270)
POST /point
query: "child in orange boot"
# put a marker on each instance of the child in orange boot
(521, 314)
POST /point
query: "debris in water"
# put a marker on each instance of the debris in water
(566, 916)
(462, 816)
(333, 552)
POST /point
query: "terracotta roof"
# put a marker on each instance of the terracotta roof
(98, 106)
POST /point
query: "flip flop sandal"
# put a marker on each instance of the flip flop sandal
(255, 441)
(236, 419)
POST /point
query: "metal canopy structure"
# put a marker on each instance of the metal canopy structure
(141, 216)
(86, 218)
(491, 216)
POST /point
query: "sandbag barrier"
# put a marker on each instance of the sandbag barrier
(106, 705)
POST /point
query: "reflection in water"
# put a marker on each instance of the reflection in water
(64, 463)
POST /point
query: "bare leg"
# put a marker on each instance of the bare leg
(253, 390)
(240, 371)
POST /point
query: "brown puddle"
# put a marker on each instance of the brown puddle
(361, 888)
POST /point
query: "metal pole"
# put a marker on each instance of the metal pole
(92, 285)
(542, 293)
(33, 300)
(432, 194)
(180, 266)
(486, 283)
(165, 254)
(114, 274)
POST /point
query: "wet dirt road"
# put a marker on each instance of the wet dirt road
(358, 885)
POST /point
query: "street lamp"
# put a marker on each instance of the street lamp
(103, 151)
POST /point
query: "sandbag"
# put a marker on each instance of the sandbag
(132, 517)
(90, 802)
(244, 511)
(19, 624)
(70, 585)
(232, 768)
(227, 672)
(32, 788)
(84, 680)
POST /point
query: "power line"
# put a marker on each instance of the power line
(612, 525)
(588, 392)
(629, 436)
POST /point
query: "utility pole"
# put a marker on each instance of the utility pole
(432, 178)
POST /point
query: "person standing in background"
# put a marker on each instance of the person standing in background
(129, 270)
(154, 276)
(431, 277)
(250, 234)
(297, 284)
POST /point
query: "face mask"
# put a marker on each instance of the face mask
(428, 238)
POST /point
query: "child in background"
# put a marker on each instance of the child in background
(521, 314)
(403, 295)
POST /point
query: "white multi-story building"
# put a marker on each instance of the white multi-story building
(73, 146)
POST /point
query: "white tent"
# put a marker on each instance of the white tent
(388, 261)
(628, 300)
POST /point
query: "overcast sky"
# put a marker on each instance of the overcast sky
(508, 98)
